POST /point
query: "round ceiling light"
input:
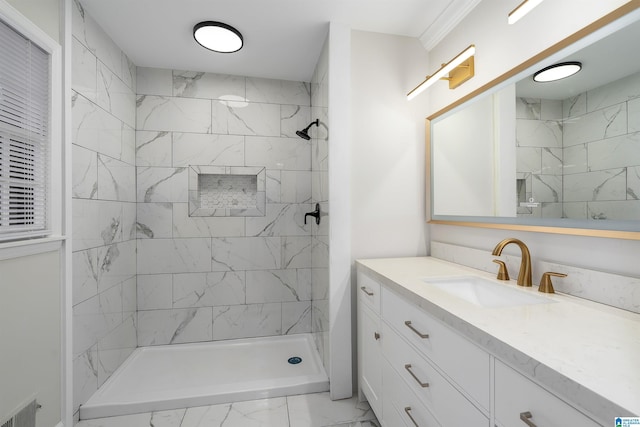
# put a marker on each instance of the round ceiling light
(557, 71)
(218, 36)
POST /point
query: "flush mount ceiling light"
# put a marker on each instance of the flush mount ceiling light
(525, 7)
(218, 37)
(557, 71)
(457, 71)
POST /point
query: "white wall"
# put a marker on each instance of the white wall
(500, 47)
(340, 127)
(387, 147)
(30, 322)
(44, 13)
(388, 214)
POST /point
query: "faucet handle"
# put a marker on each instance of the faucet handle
(503, 274)
(545, 282)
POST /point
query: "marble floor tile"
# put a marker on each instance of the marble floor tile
(318, 410)
(171, 418)
(255, 413)
(369, 423)
(310, 410)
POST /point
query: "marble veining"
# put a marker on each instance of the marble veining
(312, 410)
(245, 321)
(162, 184)
(296, 317)
(158, 327)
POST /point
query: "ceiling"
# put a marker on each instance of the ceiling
(282, 38)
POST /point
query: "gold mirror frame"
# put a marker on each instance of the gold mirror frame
(594, 26)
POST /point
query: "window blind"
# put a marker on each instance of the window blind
(24, 138)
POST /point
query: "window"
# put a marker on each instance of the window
(25, 143)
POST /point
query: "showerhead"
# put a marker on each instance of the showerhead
(304, 133)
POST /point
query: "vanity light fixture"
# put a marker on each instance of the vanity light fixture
(523, 8)
(557, 71)
(457, 71)
(218, 37)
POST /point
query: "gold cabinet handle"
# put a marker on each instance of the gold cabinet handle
(525, 416)
(408, 411)
(363, 289)
(423, 385)
(420, 334)
(376, 336)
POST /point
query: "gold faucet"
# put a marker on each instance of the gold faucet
(524, 277)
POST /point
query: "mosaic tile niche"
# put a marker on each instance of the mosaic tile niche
(226, 191)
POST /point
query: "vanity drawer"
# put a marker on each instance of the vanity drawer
(369, 292)
(516, 395)
(400, 404)
(464, 362)
(448, 405)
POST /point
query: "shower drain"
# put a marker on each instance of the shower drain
(294, 360)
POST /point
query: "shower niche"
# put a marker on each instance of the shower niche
(227, 191)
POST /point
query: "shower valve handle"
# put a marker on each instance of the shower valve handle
(315, 214)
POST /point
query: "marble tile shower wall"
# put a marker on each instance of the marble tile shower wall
(104, 206)
(581, 156)
(213, 278)
(320, 194)
(539, 154)
(601, 144)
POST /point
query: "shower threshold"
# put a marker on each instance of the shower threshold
(187, 375)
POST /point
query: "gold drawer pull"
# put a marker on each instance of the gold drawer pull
(524, 416)
(423, 385)
(363, 289)
(420, 334)
(408, 411)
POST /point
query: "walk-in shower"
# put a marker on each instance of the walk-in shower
(194, 270)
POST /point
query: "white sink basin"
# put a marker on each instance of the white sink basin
(486, 293)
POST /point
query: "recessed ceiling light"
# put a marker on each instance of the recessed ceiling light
(557, 71)
(218, 36)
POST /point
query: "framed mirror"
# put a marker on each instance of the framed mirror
(559, 156)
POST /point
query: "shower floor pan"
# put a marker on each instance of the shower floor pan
(187, 375)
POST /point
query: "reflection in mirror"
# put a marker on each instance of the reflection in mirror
(564, 153)
(578, 139)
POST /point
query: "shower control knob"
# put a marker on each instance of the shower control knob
(315, 214)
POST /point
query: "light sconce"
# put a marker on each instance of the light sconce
(218, 37)
(557, 71)
(457, 71)
(525, 7)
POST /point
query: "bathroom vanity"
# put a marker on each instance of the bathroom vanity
(440, 344)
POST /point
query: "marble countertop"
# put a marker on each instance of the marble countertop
(585, 352)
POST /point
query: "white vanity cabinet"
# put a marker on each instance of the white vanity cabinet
(462, 361)
(417, 381)
(370, 343)
(518, 399)
(447, 361)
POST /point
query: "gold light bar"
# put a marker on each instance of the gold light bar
(457, 71)
(523, 8)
